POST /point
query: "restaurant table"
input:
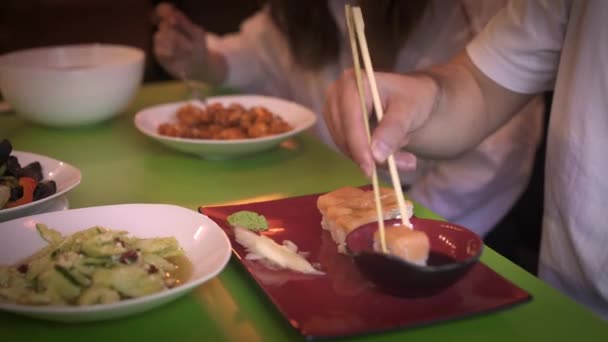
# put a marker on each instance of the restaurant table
(121, 165)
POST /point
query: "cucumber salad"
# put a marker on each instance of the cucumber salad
(93, 266)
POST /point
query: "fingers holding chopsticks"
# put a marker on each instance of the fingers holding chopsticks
(403, 114)
(348, 134)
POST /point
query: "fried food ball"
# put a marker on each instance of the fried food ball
(232, 133)
(258, 129)
(189, 115)
(217, 121)
(261, 115)
(278, 127)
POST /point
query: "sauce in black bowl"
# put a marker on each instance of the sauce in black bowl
(454, 251)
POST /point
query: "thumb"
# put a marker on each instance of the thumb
(391, 133)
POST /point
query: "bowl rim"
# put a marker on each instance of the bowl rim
(457, 264)
(310, 121)
(137, 56)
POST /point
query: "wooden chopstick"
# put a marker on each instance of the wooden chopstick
(356, 65)
(359, 26)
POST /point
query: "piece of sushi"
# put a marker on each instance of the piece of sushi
(348, 208)
(405, 243)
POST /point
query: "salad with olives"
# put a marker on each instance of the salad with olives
(20, 185)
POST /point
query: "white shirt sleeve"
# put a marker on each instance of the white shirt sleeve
(478, 188)
(257, 56)
(239, 49)
(520, 47)
(479, 12)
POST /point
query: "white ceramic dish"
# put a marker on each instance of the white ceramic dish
(205, 244)
(72, 84)
(299, 117)
(65, 176)
(58, 204)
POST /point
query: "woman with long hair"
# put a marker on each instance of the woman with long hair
(296, 49)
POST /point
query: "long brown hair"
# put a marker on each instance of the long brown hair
(312, 33)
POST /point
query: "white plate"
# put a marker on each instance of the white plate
(58, 204)
(299, 117)
(205, 244)
(65, 176)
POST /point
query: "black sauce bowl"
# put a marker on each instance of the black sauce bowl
(453, 252)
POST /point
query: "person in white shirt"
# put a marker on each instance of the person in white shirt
(286, 60)
(529, 47)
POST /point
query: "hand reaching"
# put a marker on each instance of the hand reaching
(180, 45)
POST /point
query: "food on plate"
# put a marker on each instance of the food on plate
(21, 185)
(266, 250)
(220, 122)
(405, 243)
(348, 208)
(248, 220)
(93, 266)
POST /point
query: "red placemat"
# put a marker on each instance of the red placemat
(342, 302)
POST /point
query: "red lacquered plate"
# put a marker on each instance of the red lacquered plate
(343, 302)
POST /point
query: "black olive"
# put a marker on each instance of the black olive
(44, 189)
(16, 193)
(5, 150)
(32, 170)
(12, 166)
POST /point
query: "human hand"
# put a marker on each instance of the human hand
(180, 45)
(407, 101)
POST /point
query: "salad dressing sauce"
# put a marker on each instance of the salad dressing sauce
(183, 271)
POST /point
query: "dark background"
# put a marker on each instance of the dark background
(32, 23)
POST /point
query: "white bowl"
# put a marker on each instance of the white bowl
(299, 117)
(66, 177)
(204, 242)
(73, 84)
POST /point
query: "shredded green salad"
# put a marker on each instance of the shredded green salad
(92, 266)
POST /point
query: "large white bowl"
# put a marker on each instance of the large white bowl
(66, 177)
(73, 84)
(204, 242)
(299, 117)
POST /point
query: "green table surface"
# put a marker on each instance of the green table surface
(120, 165)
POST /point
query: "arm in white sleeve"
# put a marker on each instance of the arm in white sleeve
(519, 53)
(479, 187)
(257, 56)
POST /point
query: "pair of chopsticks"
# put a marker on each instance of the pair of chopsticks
(356, 32)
